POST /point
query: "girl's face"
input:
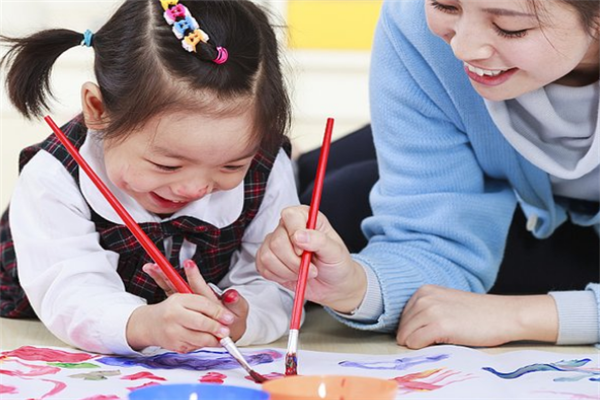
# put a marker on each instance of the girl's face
(179, 158)
(507, 51)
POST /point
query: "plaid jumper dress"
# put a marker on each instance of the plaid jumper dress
(214, 247)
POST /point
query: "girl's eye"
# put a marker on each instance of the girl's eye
(233, 167)
(165, 167)
(442, 7)
(510, 34)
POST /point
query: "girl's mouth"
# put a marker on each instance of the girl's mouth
(166, 203)
(488, 77)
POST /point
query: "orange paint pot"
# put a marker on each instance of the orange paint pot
(331, 387)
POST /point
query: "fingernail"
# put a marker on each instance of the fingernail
(223, 332)
(312, 272)
(302, 237)
(228, 318)
(230, 296)
(189, 264)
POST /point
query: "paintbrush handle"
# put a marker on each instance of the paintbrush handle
(158, 257)
(313, 212)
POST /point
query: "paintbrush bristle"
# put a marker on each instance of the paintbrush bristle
(291, 364)
(258, 378)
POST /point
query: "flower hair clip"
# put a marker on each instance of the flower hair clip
(187, 29)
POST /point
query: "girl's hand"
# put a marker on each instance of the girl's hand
(436, 315)
(231, 298)
(334, 279)
(182, 322)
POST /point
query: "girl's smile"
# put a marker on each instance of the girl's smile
(493, 77)
(178, 158)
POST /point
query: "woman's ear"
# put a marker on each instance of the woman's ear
(94, 114)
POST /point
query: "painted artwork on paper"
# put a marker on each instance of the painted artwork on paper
(435, 372)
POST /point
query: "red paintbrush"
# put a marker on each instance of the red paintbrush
(291, 359)
(176, 280)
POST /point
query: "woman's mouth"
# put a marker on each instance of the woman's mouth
(489, 77)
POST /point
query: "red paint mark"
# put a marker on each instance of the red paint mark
(271, 376)
(103, 397)
(230, 296)
(143, 375)
(36, 370)
(214, 377)
(31, 353)
(8, 389)
(58, 387)
(143, 386)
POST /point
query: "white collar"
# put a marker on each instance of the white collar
(219, 209)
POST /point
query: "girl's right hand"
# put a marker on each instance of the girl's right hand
(335, 280)
(182, 322)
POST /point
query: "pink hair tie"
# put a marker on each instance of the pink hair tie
(222, 55)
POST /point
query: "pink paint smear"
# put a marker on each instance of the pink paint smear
(31, 353)
(143, 375)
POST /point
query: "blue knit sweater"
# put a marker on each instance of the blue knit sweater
(449, 181)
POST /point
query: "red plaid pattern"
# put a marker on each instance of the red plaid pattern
(214, 246)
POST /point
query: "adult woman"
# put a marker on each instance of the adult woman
(504, 116)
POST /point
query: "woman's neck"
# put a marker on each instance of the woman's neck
(587, 72)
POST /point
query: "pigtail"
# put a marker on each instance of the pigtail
(29, 62)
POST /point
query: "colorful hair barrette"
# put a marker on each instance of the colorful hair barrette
(187, 29)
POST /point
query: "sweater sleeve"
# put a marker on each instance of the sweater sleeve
(438, 219)
(578, 321)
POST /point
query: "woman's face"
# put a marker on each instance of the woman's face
(508, 51)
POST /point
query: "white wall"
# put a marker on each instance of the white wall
(324, 83)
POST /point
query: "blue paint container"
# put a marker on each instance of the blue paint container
(197, 392)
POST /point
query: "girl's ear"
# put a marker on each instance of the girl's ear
(94, 115)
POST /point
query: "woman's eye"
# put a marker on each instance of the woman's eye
(510, 34)
(442, 7)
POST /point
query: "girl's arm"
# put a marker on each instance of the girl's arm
(270, 304)
(70, 280)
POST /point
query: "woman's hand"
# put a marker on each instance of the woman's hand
(334, 279)
(185, 322)
(436, 315)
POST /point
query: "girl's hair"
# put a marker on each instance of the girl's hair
(143, 70)
(589, 12)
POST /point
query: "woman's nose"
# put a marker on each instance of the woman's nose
(470, 44)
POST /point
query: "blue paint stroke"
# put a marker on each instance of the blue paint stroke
(398, 364)
(200, 360)
(560, 366)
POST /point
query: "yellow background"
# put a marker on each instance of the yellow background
(329, 24)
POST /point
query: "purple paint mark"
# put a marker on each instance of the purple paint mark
(103, 397)
(398, 364)
(143, 375)
(576, 366)
(200, 360)
(5, 389)
(31, 353)
(573, 396)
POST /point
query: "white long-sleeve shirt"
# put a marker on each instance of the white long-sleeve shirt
(72, 282)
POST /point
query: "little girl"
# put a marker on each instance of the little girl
(186, 126)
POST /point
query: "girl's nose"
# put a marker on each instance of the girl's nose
(191, 191)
